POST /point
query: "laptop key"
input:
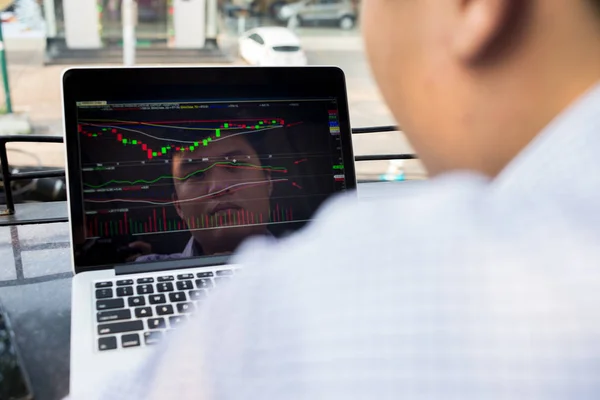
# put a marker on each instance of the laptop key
(204, 283)
(113, 315)
(157, 299)
(125, 282)
(185, 307)
(125, 291)
(119, 327)
(145, 280)
(145, 289)
(197, 294)
(136, 301)
(107, 343)
(104, 293)
(225, 272)
(156, 323)
(164, 287)
(151, 338)
(204, 274)
(185, 276)
(109, 304)
(185, 285)
(165, 278)
(177, 296)
(164, 310)
(130, 340)
(143, 312)
(176, 320)
(103, 284)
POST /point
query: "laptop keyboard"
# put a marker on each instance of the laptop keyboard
(141, 311)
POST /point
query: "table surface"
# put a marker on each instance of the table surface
(35, 289)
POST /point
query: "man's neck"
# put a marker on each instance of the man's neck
(551, 75)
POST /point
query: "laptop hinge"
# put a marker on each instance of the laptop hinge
(154, 266)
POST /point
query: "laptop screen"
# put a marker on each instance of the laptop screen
(166, 180)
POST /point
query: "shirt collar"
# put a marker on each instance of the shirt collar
(190, 249)
(563, 158)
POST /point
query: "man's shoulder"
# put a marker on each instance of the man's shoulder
(411, 204)
(444, 221)
(397, 216)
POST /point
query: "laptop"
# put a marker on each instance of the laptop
(169, 170)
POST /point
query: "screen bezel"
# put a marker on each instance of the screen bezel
(131, 84)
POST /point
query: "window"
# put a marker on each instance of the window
(288, 49)
(257, 38)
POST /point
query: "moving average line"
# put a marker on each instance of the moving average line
(181, 141)
(161, 124)
(225, 164)
(240, 185)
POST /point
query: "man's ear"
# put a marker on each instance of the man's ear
(482, 26)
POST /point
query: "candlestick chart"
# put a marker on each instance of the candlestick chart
(152, 137)
(129, 182)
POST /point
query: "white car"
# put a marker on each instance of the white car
(274, 46)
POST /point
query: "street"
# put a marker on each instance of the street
(36, 91)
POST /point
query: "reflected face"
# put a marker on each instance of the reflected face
(222, 185)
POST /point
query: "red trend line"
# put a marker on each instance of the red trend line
(296, 185)
(117, 122)
(150, 152)
(300, 161)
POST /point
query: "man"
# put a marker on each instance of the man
(222, 194)
(482, 284)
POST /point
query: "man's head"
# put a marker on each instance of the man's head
(471, 82)
(222, 184)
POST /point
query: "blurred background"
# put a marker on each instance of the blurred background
(43, 37)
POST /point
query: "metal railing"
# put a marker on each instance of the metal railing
(8, 177)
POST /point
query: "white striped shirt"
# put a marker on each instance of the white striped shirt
(461, 288)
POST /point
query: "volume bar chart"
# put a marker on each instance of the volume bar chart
(106, 225)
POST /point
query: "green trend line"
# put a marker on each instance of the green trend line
(225, 163)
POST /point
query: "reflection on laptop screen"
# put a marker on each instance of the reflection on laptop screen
(166, 180)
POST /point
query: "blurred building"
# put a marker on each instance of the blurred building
(82, 28)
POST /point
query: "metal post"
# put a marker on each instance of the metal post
(50, 16)
(212, 11)
(129, 17)
(5, 73)
(6, 181)
(241, 26)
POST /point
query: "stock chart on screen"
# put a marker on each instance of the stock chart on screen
(151, 168)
